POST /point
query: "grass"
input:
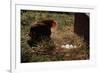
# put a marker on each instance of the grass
(62, 34)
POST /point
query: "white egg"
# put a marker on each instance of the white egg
(75, 46)
(67, 45)
(71, 46)
(63, 46)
